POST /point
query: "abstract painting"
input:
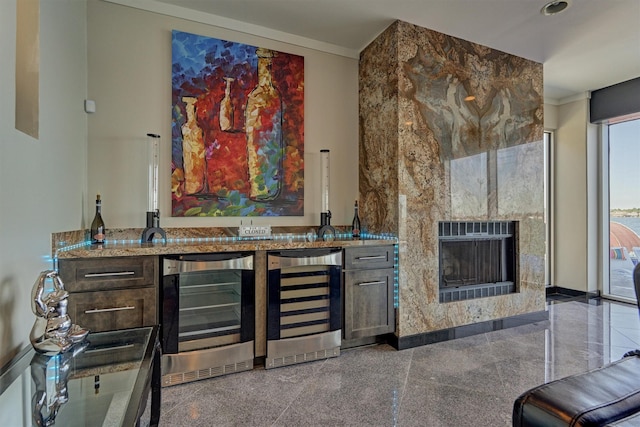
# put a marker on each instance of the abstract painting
(237, 129)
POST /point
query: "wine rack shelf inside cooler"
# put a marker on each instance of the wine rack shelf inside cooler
(210, 304)
(304, 300)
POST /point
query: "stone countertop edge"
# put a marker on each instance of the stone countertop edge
(69, 245)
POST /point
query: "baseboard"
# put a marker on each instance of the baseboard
(571, 293)
(402, 343)
(361, 342)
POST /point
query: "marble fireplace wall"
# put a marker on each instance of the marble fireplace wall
(429, 153)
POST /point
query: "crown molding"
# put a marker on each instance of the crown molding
(568, 99)
(235, 25)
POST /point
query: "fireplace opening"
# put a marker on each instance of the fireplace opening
(477, 259)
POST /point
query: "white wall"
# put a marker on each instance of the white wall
(576, 231)
(575, 192)
(130, 80)
(550, 116)
(42, 182)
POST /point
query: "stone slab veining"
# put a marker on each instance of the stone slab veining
(451, 131)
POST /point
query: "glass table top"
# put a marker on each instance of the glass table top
(90, 385)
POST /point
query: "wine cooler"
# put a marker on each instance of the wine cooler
(304, 305)
(207, 316)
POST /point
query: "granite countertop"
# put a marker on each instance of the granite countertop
(127, 242)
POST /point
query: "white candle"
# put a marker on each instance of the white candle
(153, 151)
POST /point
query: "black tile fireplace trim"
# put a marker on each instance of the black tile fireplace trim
(475, 229)
(403, 343)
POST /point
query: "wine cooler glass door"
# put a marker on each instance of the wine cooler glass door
(210, 309)
(207, 303)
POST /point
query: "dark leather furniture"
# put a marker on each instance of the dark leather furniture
(608, 396)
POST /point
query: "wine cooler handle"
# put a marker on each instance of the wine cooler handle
(116, 273)
(380, 282)
(103, 310)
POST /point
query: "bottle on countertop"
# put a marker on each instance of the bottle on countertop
(97, 226)
(355, 224)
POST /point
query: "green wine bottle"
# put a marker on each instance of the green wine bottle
(97, 225)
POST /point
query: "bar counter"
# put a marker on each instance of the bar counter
(127, 242)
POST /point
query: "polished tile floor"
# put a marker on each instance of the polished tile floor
(469, 381)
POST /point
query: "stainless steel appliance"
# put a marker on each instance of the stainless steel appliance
(207, 316)
(304, 305)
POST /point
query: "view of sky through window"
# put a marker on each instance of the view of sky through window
(624, 161)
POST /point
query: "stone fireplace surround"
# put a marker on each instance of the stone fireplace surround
(451, 131)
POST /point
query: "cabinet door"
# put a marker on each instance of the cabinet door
(368, 302)
(112, 310)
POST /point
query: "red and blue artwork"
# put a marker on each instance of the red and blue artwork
(237, 129)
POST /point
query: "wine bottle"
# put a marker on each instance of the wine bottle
(97, 225)
(355, 224)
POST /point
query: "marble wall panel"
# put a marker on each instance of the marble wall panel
(378, 143)
(429, 153)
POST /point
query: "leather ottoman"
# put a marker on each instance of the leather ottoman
(606, 396)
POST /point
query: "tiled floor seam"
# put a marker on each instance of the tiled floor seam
(405, 382)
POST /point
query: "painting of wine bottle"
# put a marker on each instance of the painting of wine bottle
(237, 129)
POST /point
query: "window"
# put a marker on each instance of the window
(623, 207)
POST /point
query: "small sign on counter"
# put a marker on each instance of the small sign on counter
(253, 231)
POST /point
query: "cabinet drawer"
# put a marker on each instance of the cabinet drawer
(96, 274)
(368, 257)
(112, 310)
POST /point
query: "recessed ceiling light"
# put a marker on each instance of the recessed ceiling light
(554, 7)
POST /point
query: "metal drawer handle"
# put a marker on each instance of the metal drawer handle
(366, 258)
(117, 273)
(103, 310)
(381, 282)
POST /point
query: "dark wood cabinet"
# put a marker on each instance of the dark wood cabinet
(107, 294)
(368, 291)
